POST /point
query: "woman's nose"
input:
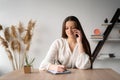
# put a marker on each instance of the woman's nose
(70, 30)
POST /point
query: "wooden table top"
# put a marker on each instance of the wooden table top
(76, 74)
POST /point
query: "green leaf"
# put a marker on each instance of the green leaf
(32, 61)
(27, 62)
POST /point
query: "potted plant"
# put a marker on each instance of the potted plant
(28, 65)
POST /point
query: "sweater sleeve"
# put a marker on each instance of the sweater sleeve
(83, 61)
(50, 57)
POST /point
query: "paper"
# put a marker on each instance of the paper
(55, 72)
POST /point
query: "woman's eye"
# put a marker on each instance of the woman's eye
(66, 28)
(73, 28)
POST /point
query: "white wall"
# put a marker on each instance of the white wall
(49, 15)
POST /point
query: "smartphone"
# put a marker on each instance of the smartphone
(76, 35)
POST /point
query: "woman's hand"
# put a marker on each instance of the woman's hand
(79, 40)
(78, 35)
(59, 68)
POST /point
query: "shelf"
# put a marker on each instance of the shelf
(97, 36)
(97, 39)
(108, 56)
(104, 57)
(113, 39)
(106, 24)
(113, 23)
(106, 40)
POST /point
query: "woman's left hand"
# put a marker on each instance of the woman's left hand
(79, 40)
(78, 35)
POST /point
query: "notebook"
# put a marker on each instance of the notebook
(55, 72)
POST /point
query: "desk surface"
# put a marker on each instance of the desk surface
(76, 74)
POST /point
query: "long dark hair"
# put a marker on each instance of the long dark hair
(85, 42)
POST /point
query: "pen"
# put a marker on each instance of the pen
(59, 62)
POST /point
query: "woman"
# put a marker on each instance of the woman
(70, 51)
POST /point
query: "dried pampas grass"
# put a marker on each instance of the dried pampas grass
(21, 28)
(13, 32)
(17, 42)
(1, 39)
(4, 43)
(16, 46)
(28, 47)
(7, 34)
(27, 37)
(9, 54)
(31, 25)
